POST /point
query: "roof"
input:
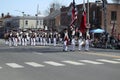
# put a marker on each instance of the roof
(53, 14)
(113, 1)
(31, 17)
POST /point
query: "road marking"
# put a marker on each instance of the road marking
(117, 59)
(14, 65)
(108, 61)
(0, 67)
(54, 63)
(73, 62)
(33, 64)
(37, 53)
(100, 54)
(92, 62)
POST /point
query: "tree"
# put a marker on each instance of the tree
(116, 1)
(55, 4)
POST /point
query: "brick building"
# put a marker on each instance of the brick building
(96, 16)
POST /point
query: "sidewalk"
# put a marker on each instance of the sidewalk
(2, 44)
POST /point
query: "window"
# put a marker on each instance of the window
(113, 16)
(26, 22)
(41, 22)
(37, 22)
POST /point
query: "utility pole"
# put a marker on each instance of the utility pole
(23, 20)
(105, 13)
(88, 23)
(23, 13)
(104, 6)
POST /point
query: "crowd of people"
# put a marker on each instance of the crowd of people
(113, 42)
(45, 38)
(30, 37)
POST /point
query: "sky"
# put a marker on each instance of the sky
(16, 7)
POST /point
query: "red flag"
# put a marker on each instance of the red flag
(83, 20)
(113, 29)
(74, 13)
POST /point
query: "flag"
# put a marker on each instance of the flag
(74, 13)
(83, 20)
(113, 31)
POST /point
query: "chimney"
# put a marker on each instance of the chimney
(52, 9)
(2, 15)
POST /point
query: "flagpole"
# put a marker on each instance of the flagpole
(88, 12)
(88, 23)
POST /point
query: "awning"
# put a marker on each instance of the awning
(97, 31)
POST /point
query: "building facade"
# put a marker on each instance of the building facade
(23, 22)
(52, 21)
(96, 16)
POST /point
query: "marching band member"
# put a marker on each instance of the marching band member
(15, 38)
(49, 38)
(54, 39)
(80, 41)
(73, 40)
(10, 38)
(41, 39)
(73, 43)
(6, 37)
(66, 38)
(44, 39)
(33, 38)
(24, 39)
(87, 42)
(20, 37)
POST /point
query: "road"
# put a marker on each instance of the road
(51, 63)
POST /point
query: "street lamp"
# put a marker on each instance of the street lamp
(23, 13)
(104, 6)
(36, 20)
(23, 20)
(88, 23)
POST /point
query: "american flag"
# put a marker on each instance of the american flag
(74, 13)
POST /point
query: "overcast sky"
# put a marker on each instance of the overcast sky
(30, 6)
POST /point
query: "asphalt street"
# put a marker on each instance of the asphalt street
(51, 63)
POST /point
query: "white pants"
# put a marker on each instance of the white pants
(87, 45)
(79, 44)
(24, 41)
(33, 42)
(10, 41)
(19, 40)
(49, 41)
(44, 41)
(65, 46)
(41, 41)
(54, 40)
(72, 47)
(15, 42)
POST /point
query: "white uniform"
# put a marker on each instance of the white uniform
(10, 39)
(87, 44)
(44, 39)
(65, 45)
(50, 37)
(33, 39)
(73, 44)
(24, 39)
(54, 39)
(79, 44)
(15, 39)
(20, 38)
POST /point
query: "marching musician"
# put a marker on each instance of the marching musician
(24, 39)
(66, 39)
(87, 42)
